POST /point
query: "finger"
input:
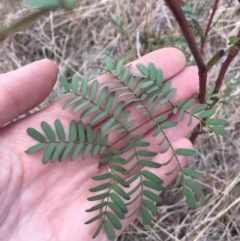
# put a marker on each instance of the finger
(161, 173)
(23, 89)
(170, 60)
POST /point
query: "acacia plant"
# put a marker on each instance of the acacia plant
(146, 92)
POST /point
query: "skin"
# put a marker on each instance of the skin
(48, 202)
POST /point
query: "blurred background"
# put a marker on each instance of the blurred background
(78, 39)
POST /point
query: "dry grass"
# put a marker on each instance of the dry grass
(82, 38)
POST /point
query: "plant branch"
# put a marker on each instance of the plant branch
(21, 24)
(208, 25)
(202, 71)
(231, 55)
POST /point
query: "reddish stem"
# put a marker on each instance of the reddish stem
(231, 55)
(202, 71)
(208, 25)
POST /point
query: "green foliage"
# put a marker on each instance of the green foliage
(146, 92)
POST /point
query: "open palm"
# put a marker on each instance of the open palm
(48, 202)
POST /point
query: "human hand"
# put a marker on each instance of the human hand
(48, 202)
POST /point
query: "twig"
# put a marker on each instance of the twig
(231, 55)
(203, 40)
(202, 71)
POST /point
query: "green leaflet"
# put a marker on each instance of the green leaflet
(150, 206)
(96, 207)
(35, 135)
(191, 200)
(76, 151)
(64, 83)
(188, 104)
(118, 201)
(152, 71)
(151, 195)
(143, 69)
(114, 220)
(93, 90)
(57, 152)
(98, 230)
(120, 191)
(150, 164)
(84, 85)
(125, 73)
(219, 130)
(60, 130)
(72, 101)
(108, 63)
(74, 83)
(152, 185)
(102, 177)
(118, 67)
(66, 151)
(116, 210)
(100, 187)
(146, 217)
(48, 131)
(192, 185)
(73, 131)
(206, 114)
(109, 229)
(152, 177)
(98, 197)
(35, 148)
(48, 153)
(185, 152)
(191, 173)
